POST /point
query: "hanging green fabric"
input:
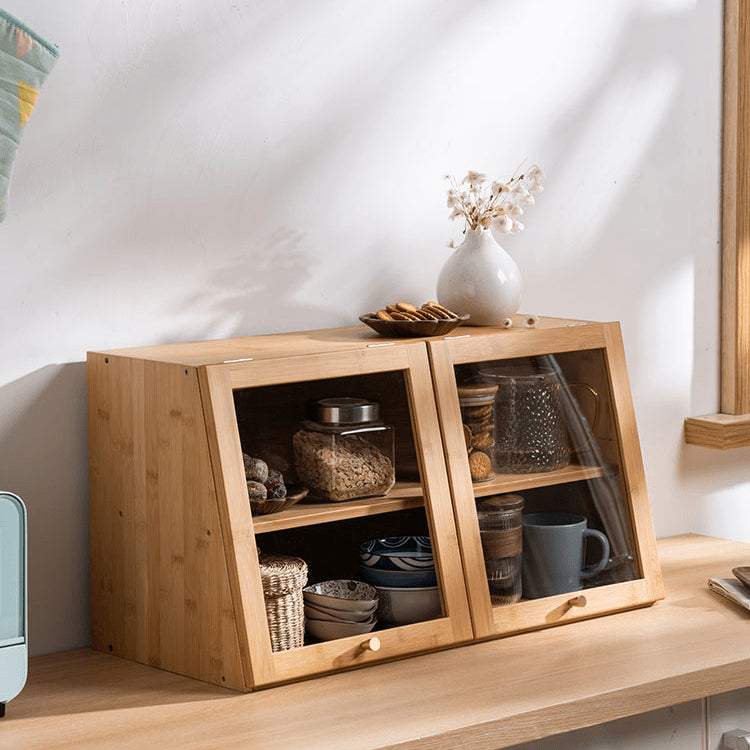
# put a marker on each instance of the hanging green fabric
(25, 62)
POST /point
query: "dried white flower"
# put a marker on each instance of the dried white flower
(497, 204)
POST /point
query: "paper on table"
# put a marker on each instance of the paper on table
(732, 589)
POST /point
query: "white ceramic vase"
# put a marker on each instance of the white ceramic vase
(481, 279)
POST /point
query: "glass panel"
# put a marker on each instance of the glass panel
(544, 460)
(348, 443)
(11, 571)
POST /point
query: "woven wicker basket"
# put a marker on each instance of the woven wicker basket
(283, 579)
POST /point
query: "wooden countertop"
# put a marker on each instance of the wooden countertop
(482, 696)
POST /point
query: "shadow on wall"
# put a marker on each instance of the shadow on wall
(43, 445)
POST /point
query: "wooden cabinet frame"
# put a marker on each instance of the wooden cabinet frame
(175, 579)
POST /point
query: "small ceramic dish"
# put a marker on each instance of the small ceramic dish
(338, 615)
(273, 505)
(341, 594)
(327, 631)
(399, 329)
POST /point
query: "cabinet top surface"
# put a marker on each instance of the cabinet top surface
(483, 696)
(299, 343)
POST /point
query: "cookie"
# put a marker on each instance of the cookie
(482, 441)
(480, 466)
(406, 307)
(440, 310)
(383, 315)
(477, 412)
(483, 425)
(429, 314)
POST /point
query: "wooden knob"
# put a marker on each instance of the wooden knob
(371, 644)
(577, 601)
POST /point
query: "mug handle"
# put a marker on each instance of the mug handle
(598, 567)
(597, 410)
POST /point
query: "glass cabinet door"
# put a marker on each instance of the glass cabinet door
(359, 432)
(546, 474)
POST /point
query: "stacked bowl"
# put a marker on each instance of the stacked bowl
(402, 570)
(339, 608)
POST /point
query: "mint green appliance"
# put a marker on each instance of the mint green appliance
(14, 647)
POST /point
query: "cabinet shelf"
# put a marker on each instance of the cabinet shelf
(501, 483)
(403, 496)
(406, 495)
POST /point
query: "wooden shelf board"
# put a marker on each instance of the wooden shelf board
(721, 431)
(406, 495)
(516, 482)
(403, 495)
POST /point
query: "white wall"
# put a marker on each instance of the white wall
(198, 170)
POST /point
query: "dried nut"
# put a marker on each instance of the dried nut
(255, 468)
(383, 315)
(256, 491)
(480, 466)
(276, 489)
(468, 437)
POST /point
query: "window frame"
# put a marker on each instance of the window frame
(730, 428)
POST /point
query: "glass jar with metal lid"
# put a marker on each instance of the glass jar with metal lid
(346, 452)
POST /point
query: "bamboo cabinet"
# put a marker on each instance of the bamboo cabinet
(174, 546)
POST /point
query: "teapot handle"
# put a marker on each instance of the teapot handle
(597, 412)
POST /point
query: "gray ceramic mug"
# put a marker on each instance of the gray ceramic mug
(553, 545)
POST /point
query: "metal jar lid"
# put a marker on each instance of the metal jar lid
(347, 410)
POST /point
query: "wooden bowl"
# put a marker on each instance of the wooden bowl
(398, 329)
(273, 505)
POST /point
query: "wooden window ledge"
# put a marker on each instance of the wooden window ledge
(722, 431)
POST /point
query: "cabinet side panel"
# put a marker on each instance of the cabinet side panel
(115, 390)
(160, 593)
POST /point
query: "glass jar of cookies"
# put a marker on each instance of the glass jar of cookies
(477, 403)
(346, 452)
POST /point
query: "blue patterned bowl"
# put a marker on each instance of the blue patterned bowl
(397, 553)
(398, 579)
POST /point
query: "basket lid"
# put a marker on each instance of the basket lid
(281, 574)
